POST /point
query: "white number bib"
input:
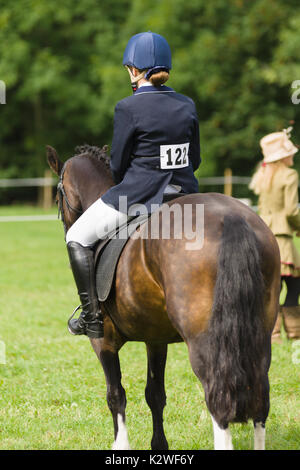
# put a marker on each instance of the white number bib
(174, 156)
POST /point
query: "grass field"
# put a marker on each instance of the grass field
(52, 388)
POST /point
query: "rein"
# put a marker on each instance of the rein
(62, 196)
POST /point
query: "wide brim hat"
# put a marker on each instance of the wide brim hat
(277, 146)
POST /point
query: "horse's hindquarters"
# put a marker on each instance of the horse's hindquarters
(139, 309)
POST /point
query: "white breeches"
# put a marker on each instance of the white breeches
(99, 220)
(95, 223)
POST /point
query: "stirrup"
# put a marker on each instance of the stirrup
(81, 331)
(92, 328)
(75, 310)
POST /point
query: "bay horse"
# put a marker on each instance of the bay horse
(221, 300)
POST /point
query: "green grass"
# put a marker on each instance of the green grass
(52, 387)
(26, 210)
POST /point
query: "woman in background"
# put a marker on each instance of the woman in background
(276, 184)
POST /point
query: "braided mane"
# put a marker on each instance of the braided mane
(100, 154)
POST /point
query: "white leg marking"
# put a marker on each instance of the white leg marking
(259, 436)
(121, 442)
(222, 437)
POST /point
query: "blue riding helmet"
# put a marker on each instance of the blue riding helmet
(146, 51)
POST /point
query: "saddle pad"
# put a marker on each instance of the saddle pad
(108, 254)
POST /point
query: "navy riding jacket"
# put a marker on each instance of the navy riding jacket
(152, 122)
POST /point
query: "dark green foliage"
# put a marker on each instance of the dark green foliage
(62, 65)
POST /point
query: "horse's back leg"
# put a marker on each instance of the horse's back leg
(116, 397)
(222, 437)
(223, 441)
(259, 436)
(155, 392)
(197, 353)
(260, 421)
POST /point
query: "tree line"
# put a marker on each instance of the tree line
(61, 62)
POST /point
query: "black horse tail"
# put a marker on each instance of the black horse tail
(236, 334)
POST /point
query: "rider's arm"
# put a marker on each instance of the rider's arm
(122, 143)
(194, 152)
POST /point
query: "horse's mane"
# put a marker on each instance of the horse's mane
(100, 154)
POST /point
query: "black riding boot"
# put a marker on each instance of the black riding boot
(90, 321)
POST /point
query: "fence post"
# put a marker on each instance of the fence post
(228, 182)
(47, 191)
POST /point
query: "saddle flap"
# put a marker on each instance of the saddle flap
(108, 253)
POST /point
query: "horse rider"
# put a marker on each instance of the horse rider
(155, 150)
(276, 183)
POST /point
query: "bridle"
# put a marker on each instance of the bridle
(62, 196)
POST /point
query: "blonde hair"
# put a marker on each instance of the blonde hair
(263, 176)
(159, 78)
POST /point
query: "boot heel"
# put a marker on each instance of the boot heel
(95, 330)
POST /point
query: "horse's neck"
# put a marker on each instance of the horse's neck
(93, 179)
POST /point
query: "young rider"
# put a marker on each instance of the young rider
(155, 149)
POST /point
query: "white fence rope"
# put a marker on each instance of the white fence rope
(26, 182)
(27, 218)
(34, 182)
(47, 182)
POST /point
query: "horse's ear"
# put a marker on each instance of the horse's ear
(53, 160)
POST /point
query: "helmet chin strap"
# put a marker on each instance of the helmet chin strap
(134, 80)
